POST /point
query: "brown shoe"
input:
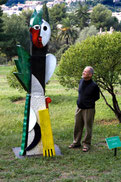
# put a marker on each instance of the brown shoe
(72, 146)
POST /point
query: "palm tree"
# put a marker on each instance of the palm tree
(68, 32)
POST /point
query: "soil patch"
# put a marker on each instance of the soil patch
(20, 101)
(108, 122)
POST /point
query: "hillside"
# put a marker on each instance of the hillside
(110, 3)
(14, 2)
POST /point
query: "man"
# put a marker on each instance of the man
(88, 94)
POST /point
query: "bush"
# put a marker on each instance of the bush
(61, 51)
(12, 80)
(3, 59)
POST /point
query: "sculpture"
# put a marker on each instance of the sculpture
(34, 71)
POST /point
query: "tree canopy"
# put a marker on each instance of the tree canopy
(1, 24)
(86, 32)
(57, 13)
(101, 16)
(103, 53)
(2, 35)
(82, 16)
(68, 32)
(16, 32)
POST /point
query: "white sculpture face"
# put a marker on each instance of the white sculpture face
(41, 34)
(45, 32)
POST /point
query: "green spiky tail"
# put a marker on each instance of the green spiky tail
(25, 125)
(23, 66)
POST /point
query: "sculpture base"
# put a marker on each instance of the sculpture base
(16, 151)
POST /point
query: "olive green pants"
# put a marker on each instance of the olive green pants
(83, 118)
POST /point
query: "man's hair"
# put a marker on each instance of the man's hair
(91, 69)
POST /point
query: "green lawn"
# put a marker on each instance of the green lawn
(98, 165)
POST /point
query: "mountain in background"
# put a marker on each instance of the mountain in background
(91, 2)
(14, 2)
(111, 2)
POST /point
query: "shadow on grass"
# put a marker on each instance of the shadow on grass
(16, 98)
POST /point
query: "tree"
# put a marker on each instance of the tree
(27, 15)
(82, 16)
(2, 35)
(1, 21)
(113, 21)
(86, 32)
(103, 53)
(45, 14)
(54, 43)
(57, 13)
(16, 32)
(1, 25)
(68, 32)
(3, 1)
(101, 17)
(59, 53)
(73, 18)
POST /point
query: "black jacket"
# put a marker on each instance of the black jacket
(88, 94)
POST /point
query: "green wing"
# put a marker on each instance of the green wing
(23, 67)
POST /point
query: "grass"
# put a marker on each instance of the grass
(98, 165)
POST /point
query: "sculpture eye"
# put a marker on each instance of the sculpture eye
(44, 28)
(36, 27)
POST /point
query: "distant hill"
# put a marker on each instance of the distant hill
(91, 2)
(111, 2)
(14, 2)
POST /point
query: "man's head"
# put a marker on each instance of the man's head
(87, 73)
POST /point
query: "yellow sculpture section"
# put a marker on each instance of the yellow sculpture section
(46, 132)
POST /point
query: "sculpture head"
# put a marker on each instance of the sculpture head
(39, 29)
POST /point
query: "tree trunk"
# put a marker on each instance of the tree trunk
(119, 117)
(67, 41)
(116, 107)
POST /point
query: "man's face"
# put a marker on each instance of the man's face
(87, 75)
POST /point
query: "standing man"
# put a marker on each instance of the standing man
(88, 93)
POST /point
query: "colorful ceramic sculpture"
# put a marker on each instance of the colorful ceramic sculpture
(34, 71)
